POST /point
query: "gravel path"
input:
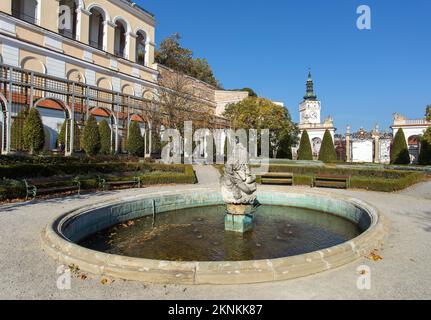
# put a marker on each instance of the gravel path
(206, 175)
(28, 273)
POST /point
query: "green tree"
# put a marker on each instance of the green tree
(251, 92)
(260, 113)
(172, 55)
(304, 151)
(425, 152)
(135, 143)
(34, 135)
(91, 137)
(17, 136)
(76, 135)
(428, 112)
(327, 150)
(399, 150)
(105, 137)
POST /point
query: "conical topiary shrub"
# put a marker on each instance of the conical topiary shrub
(399, 150)
(33, 134)
(91, 137)
(327, 150)
(425, 152)
(17, 128)
(135, 143)
(304, 151)
(105, 137)
(76, 136)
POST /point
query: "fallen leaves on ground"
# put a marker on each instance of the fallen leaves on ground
(374, 256)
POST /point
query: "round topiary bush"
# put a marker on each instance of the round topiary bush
(91, 137)
(399, 150)
(33, 134)
(327, 150)
(135, 143)
(304, 151)
(105, 137)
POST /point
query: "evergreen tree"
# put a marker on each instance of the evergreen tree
(76, 135)
(33, 133)
(17, 135)
(399, 150)
(327, 150)
(304, 151)
(91, 137)
(105, 137)
(425, 152)
(135, 143)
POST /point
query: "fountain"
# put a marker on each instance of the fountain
(238, 188)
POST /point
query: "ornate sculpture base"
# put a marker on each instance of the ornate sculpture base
(238, 218)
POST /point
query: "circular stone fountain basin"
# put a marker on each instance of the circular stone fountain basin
(180, 237)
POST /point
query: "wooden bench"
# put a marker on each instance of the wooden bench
(104, 185)
(329, 181)
(283, 178)
(58, 186)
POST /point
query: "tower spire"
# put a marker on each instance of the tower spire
(310, 95)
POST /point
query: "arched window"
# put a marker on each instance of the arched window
(67, 26)
(141, 49)
(25, 10)
(120, 39)
(97, 27)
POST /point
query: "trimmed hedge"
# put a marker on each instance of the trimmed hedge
(369, 179)
(399, 149)
(14, 189)
(22, 171)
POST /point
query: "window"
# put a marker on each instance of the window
(120, 39)
(25, 10)
(67, 26)
(141, 51)
(96, 28)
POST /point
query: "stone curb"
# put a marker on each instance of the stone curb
(220, 273)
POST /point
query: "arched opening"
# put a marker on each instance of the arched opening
(54, 113)
(120, 38)
(33, 64)
(97, 28)
(68, 18)
(26, 10)
(128, 89)
(141, 48)
(315, 145)
(76, 76)
(414, 147)
(100, 114)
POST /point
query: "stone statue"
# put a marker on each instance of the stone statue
(238, 185)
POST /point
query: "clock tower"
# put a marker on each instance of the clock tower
(310, 120)
(309, 109)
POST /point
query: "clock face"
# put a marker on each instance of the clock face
(313, 115)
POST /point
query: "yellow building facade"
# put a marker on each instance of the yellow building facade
(69, 57)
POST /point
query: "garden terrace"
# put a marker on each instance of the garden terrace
(59, 176)
(362, 178)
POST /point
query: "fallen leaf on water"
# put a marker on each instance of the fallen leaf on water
(104, 281)
(83, 277)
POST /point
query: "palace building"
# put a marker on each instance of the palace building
(93, 57)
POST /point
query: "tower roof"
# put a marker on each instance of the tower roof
(309, 94)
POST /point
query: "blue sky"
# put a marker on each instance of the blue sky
(361, 77)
